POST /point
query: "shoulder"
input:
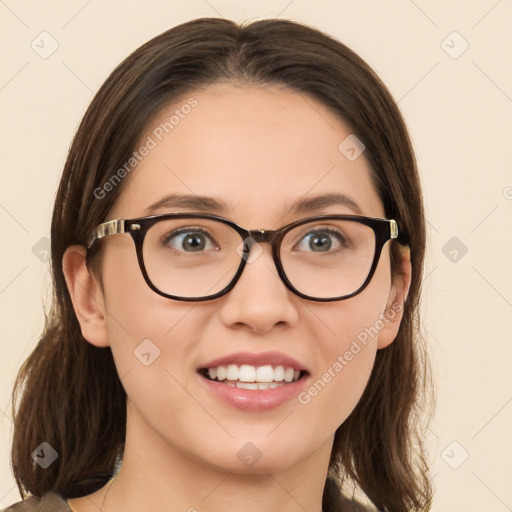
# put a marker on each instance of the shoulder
(49, 502)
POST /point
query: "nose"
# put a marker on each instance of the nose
(260, 301)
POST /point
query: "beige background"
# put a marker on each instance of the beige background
(459, 111)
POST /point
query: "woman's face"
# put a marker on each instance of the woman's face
(257, 151)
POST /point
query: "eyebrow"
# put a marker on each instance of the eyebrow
(191, 202)
(210, 204)
(320, 202)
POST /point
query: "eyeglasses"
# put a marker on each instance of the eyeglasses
(199, 257)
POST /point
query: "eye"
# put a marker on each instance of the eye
(321, 240)
(189, 240)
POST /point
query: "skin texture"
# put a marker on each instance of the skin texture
(258, 149)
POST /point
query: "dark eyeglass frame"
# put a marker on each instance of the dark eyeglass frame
(384, 229)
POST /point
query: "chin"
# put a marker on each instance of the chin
(261, 466)
(258, 454)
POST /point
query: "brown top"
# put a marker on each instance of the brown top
(49, 502)
(53, 502)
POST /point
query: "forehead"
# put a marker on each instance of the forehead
(257, 149)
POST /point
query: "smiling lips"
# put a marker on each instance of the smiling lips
(254, 382)
(246, 370)
(247, 376)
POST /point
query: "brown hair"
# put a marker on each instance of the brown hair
(68, 393)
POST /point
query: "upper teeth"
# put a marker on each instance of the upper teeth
(249, 373)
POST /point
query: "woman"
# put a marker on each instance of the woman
(237, 248)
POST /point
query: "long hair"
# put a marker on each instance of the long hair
(68, 393)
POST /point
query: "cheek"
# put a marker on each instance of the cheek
(133, 309)
(145, 330)
(346, 346)
(346, 363)
(151, 338)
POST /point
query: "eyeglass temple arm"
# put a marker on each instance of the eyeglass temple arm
(394, 232)
(393, 229)
(111, 227)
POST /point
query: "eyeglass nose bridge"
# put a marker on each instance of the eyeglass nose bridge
(262, 235)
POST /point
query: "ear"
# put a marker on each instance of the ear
(86, 295)
(392, 316)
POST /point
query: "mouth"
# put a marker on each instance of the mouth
(246, 376)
